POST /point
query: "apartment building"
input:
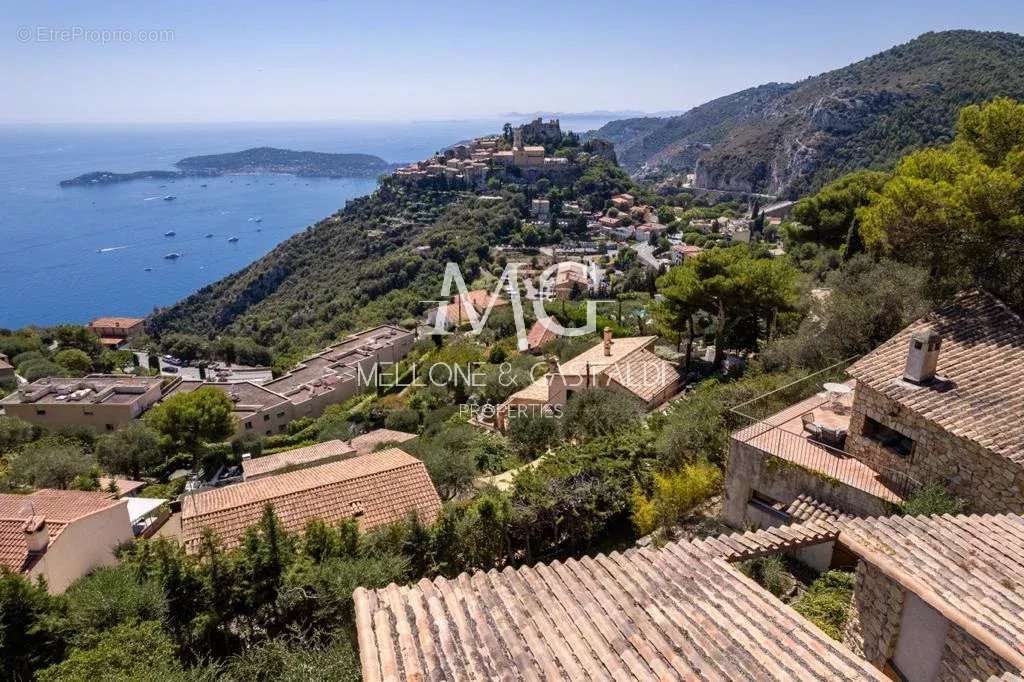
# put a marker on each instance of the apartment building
(941, 402)
(102, 402)
(256, 409)
(330, 377)
(342, 370)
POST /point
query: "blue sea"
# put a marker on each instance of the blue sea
(72, 254)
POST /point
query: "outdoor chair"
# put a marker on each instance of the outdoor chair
(807, 418)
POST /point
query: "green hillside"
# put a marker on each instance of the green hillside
(789, 139)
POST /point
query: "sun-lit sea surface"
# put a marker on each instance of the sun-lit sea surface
(71, 254)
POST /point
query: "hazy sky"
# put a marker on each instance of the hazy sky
(315, 60)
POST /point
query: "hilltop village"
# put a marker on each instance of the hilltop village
(704, 435)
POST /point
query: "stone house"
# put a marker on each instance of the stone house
(941, 402)
(935, 598)
(959, 419)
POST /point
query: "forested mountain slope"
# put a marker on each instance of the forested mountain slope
(359, 266)
(790, 138)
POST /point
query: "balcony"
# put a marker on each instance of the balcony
(811, 433)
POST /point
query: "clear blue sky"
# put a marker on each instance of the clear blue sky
(320, 60)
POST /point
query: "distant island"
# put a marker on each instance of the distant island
(256, 161)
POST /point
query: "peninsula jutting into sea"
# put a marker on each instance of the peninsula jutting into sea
(258, 160)
(728, 393)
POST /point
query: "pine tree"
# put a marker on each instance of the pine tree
(854, 243)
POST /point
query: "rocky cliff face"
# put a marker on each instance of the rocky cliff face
(787, 139)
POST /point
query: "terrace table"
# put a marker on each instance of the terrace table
(837, 394)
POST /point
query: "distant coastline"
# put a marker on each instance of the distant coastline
(255, 161)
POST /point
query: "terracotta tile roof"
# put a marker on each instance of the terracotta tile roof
(58, 507)
(982, 362)
(969, 568)
(674, 613)
(384, 487)
(481, 298)
(539, 335)
(124, 322)
(643, 374)
(687, 249)
(755, 543)
(630, 365)
(568, 272)
(807, 508)
(368, 442)
(297, 458)
(598, 361)
(125, 486)
(536, 391)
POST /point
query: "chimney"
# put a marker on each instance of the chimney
(37, 538)
(552, 365)
(246, 456)
(607, 342)
(556, 382)
(923, 356)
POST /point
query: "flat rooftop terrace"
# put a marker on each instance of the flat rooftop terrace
(782, 435)
(314, 369)
(92, 389)
(243, 394)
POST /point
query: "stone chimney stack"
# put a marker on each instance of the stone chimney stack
(922, 356)
(556, 382)
(552, 365)
(607, 342)
(37, 537)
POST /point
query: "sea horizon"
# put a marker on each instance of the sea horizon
(74, 253)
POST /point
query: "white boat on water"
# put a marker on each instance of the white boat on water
(174, 255)
(232, 239)
(170, 233)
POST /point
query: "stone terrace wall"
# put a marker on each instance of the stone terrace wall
(876, 610)
(989, 482)
(964, 658)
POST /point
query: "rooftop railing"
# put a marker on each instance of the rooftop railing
(773, 424)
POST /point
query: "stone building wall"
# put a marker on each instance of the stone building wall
(989, 482)
(964, 658)
(876, 610)
(751, 469)
(873, 628)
